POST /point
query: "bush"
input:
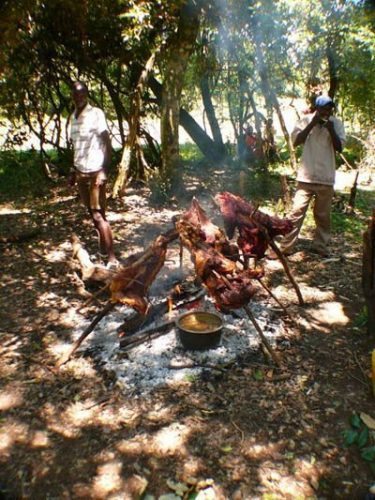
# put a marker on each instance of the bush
(21, 175)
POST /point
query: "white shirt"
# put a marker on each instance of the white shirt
(89, 148)
(318, 163)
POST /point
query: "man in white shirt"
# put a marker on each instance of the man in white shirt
(321, 135)
(92, 153)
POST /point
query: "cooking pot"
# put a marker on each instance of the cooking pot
(199, 330)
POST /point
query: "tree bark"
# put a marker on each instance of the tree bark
(206, 145)
(210, 112)
(368, 273)
(180, 46)
(130, 143)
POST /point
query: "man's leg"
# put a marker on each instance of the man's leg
(97, 211)
(301, 202)
(104, 232)
(322, 217)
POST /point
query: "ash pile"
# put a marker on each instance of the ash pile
(162, 360)
(136, 338)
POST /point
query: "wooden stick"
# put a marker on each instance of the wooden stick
(106, 309)
(151, 333)
(181, 255)
(284, 262)
(273, 296)
(265, 342)
(246, 308)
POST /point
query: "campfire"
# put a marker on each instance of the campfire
(228, 274)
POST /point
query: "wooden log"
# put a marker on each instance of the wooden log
(89, 270)
(368, 273)
(127, 343)
(128, 328)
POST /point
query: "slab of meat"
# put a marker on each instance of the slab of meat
(209, 232)
(254, 227)
(131, 284)
(229, 286)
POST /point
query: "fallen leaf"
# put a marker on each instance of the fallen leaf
(178, 488)
(367, 420)
(226, 448)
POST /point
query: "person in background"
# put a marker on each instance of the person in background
(321, 135)
(250, 143)
(92, 153)
(269, 140)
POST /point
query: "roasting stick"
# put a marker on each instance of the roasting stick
(274, 355)
(106, 309)
(273, 296)
(284, 262)
(246, 308)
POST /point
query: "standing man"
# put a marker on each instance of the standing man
(92, 154)
(321, 135)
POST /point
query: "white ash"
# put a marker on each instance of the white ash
(156, 362)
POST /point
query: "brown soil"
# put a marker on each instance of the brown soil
(249, 431)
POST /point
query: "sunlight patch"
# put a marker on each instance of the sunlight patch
(10, 398)
(40, 439)
(171, 439)
(108, 479)
(330, 312)
(10, 434)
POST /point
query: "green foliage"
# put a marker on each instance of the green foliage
(361, 318)
(360, 436)
(190, 152)
(21, 175)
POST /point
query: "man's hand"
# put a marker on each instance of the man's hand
(329, 125)
(315, 119)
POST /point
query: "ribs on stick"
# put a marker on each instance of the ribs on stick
(229, 286)
(256, 229)
(130, 284)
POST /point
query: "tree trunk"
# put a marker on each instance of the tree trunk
(136, 104)
(180, 46)
(206, 145)
(271, 99)
(332, 68)
(210, 112)
(258, 129)
(368, 273)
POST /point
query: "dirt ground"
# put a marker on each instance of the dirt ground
(247, 432)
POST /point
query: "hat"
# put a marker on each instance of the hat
(323, 100)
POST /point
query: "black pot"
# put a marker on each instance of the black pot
(199, 330)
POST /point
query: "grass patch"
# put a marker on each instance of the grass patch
(190, 152)
(21, 175)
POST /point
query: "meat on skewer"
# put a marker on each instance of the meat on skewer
(130, 285)
(255, 227)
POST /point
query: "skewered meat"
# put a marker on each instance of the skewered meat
(130, 285)
(230, 287)
(209, 232)
(255, 227)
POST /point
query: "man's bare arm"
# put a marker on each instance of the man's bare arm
(302, 136)
(336, 142)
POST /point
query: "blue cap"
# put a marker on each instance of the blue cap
(323, 100)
